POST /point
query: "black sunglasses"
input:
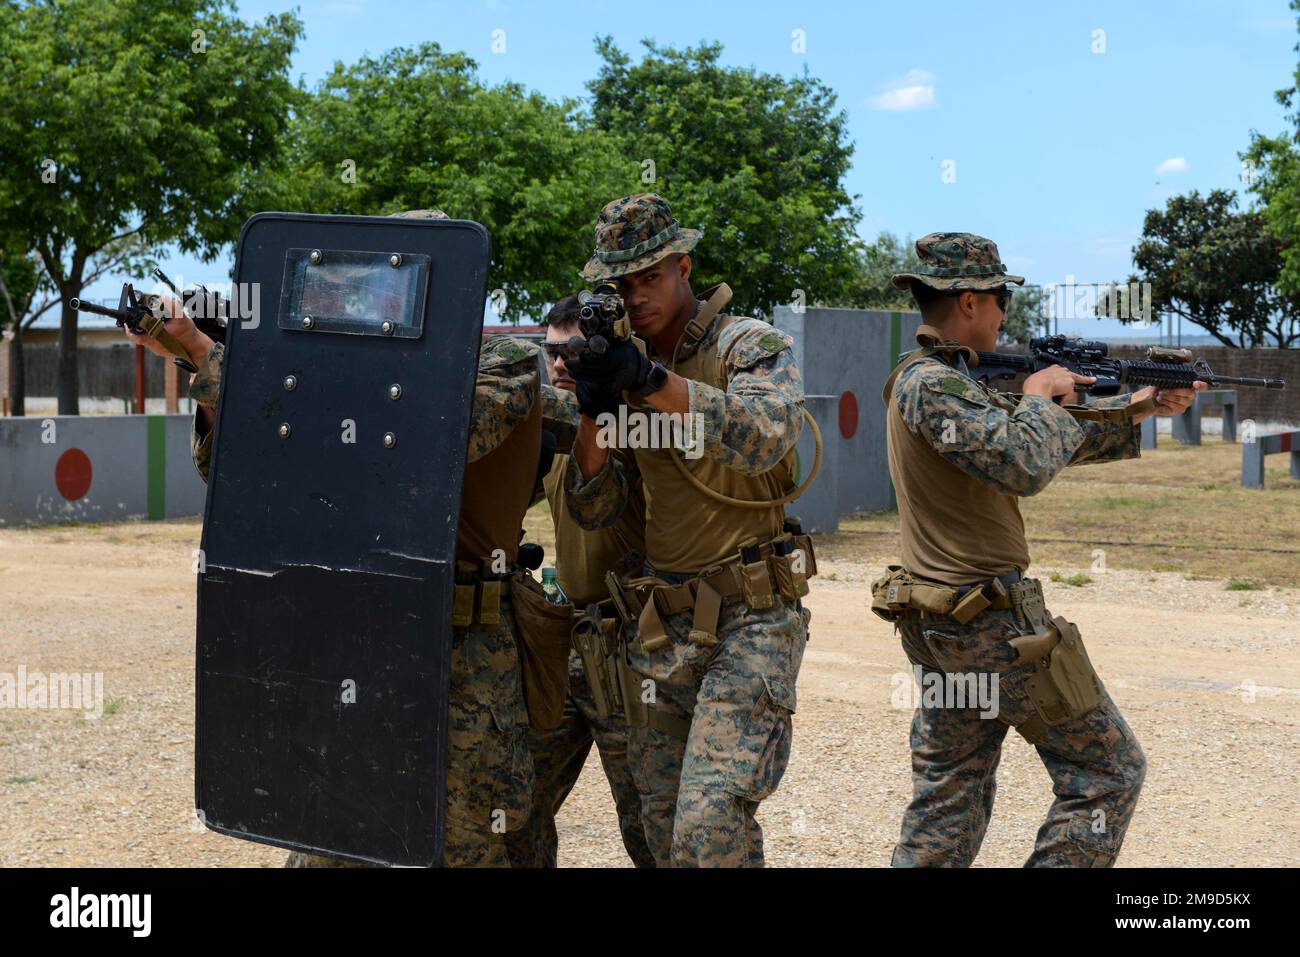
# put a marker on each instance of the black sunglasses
(1004, 295)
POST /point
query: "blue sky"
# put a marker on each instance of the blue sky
(1058, 150)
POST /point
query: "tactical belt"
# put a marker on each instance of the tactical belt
(900, 593)
(477, 596)
(761, 573)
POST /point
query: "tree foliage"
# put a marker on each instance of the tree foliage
(755, 159)
(416, 128)
(1218, 268)
(121, 123)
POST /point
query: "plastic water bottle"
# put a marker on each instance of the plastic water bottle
(551, 588)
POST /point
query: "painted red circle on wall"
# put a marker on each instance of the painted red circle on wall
(848, 414)
(72, 474)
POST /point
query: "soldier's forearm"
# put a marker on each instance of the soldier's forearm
(587, 452)
(675, 396)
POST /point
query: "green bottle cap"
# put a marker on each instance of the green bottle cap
(548, 575)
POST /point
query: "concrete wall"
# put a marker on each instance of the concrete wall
(845, 355)
(97, 468)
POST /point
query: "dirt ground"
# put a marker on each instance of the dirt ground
(1208, 678)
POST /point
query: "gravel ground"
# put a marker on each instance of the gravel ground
(1209, 679)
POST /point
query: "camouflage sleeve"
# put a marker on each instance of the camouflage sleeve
(560, 417)
(1015, 452)
(504, 392)
(1108, 441)
(756, 421)
(599, 502)
(204, 388)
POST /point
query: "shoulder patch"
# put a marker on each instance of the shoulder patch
(746, 342)
(952, 385)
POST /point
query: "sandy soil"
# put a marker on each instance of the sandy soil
(1209, 680)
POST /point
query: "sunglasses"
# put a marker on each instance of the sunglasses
(556, 350)
(1004, 298)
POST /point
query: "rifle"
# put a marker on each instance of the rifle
(1163, 367)
(602, 317)
(142, 313)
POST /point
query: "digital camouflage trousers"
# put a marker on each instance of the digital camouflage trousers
(559, 755)
(698, 796)
(1095, 762)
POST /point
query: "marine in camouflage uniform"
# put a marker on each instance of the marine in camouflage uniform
(735, 693)
(960, 458)
(581, 558)
(489, 773)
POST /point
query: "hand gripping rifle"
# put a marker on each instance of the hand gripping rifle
(143, 314)
(1163, 368)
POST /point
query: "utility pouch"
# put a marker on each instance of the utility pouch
(755, 582)
(789, 569)
(489, 602)
(1065, 686)
(891, 596)
(462, 596)
(803, 543)
(462, 606)
(970, 605)
(545, 634)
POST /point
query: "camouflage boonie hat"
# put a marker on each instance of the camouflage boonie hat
(633, 233)
(957, 261)
(421, 214)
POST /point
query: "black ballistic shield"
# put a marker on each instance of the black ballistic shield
(329, 535)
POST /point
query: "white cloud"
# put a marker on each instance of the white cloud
(1175, 164)
(915, 91)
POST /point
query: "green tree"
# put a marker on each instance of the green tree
(1216, 267)
(133, 121)
(24, 297)
(416, 128)
(1272, 172)
(1024, 315)
(878, 262)
(755, 159)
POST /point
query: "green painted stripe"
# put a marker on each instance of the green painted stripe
(895, 347)
(157, 460)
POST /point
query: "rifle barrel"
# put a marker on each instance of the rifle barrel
(1248, 380)
(82, 306)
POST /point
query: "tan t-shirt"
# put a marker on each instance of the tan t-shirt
(581, 557)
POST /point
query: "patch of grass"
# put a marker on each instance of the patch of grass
(20, 779)
(1167, 567)
(113, 705)
(1119, 501)
(1244, 584)
(1077, 580)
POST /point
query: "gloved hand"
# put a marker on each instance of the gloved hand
(622, 366)
(595, 399)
